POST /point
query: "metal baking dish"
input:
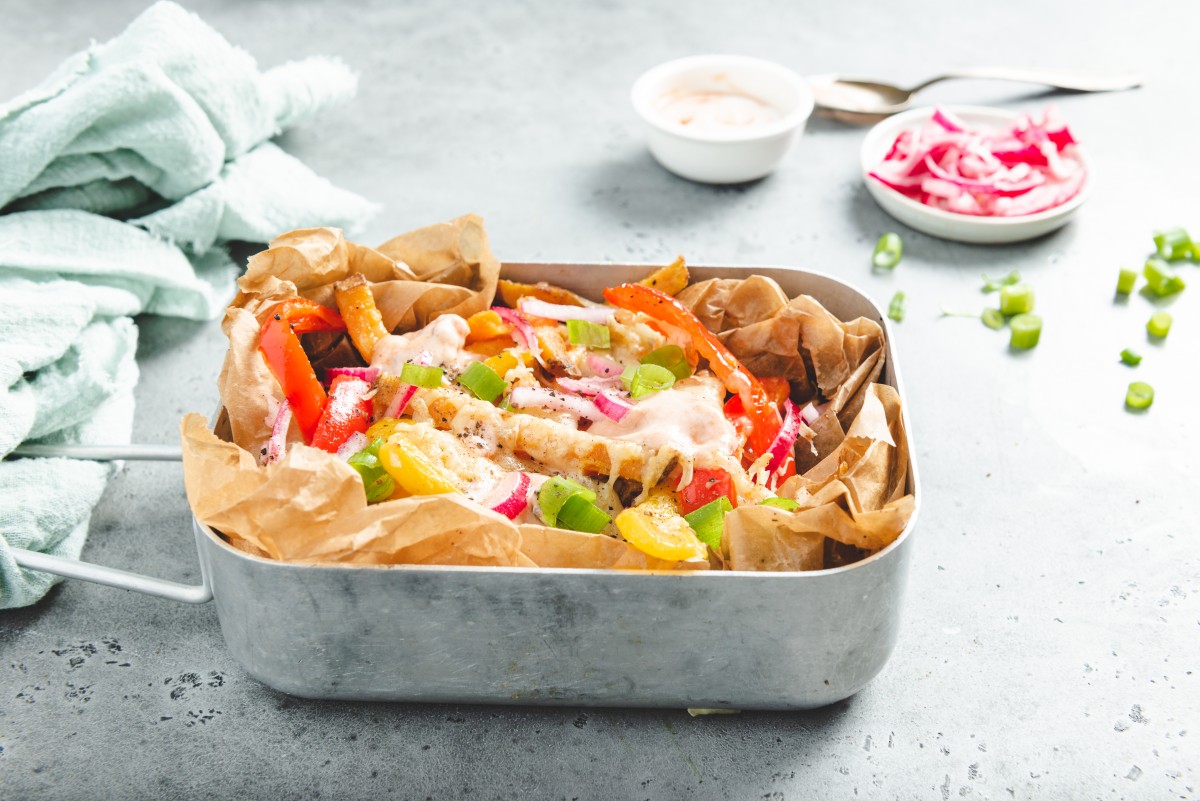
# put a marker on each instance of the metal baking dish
(559, 636)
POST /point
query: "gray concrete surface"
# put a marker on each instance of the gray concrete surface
(1051, 644)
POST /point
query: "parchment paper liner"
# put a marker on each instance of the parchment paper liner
(309, 506)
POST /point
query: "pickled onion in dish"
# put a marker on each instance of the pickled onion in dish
(1034, 166)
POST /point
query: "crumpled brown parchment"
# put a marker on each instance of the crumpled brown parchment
(853, 489)
(309, 506)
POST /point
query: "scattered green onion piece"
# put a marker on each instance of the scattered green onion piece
(1126, 281)
(377, 483)
(590, 335)
(580, 514)
(1016, 299)
(1159, 324)
(1173, 244)
(672, 358)
(555, 493)
(951, 313)
(1131, 357)
(993, 319)
(994, 284)
(483, 382)
(888, 251)
(1161, 279)
(1026, 331)
(709, 521)
(648, 378)
(418, 376)
(896, 307)
(786, 504)
(1139, 396)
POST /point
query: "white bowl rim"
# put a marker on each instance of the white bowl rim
(895, 123)
(639, 96)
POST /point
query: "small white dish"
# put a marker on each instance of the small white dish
(730, 155)
(947, 224)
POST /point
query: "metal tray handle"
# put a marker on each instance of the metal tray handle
(99, 574)
(112, 577)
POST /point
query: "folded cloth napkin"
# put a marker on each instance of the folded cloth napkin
(121, 175)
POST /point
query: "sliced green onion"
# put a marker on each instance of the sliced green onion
(672, 358)
(993, 319)
(648, 378)
(418, 376)
(1126, 281)
(580, 514)
(555, 492)
(1139, 396)
(379, 485)
(951, 313)
(888, 251)
(786, 504)
(896, 307)
(1131, 357)
(709, 521)
(590, 335)
(1173, 244)
(1159, 324)
(1161, 279)
(483, 382)
(1026, 331)
(993, 284)
(627, 376)
(1016, 299)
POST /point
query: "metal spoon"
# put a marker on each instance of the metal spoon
(863, 100)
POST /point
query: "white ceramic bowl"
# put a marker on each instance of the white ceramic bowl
(722, 157)
(947, 224)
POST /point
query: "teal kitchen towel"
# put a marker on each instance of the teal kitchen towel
(121, 176)
(170, 95)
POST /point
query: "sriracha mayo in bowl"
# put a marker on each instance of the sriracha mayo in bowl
(721, 119)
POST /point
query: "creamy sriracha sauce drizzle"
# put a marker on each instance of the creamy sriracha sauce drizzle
(444, 339)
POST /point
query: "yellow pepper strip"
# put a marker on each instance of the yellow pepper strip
(382, 429)
(670, 279)
(656, 528)
(412, 469)
(487, 325)
(364, 323)
(501, 363)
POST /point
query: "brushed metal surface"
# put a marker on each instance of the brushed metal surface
(557, 636)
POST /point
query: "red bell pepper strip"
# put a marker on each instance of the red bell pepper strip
(305, 316)
(347, 411)
(287, 361)
(779, 389)
(764, 417)
(707, 485)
